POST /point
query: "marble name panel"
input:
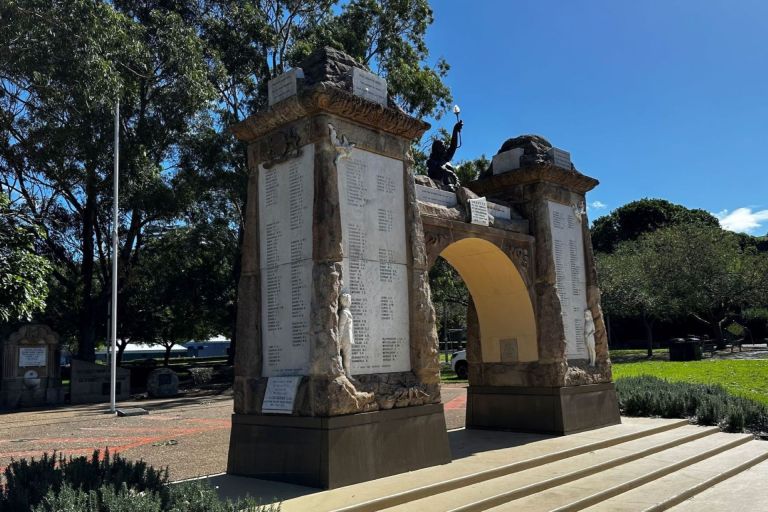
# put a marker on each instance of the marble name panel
(369, 86)
(280, 395)
(570, 275)
(499, 211)
(286, 197)
(283, 86)
(436, 196)
(478, 210)
(372, 207)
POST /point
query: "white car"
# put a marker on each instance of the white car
(459, 364)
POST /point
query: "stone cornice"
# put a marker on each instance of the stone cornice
(332, 100)
(546, 173)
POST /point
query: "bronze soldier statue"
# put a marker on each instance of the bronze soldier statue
(439, 166)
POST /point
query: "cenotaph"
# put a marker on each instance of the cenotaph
(336, 374)
(31, 368)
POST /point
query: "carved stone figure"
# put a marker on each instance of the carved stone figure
(589, 335)
(346, 336)
(439, 166)
(342, 144)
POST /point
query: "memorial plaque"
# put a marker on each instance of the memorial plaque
(478, 211)
(284, 86)
(436, 196)
(369, 86)
(508, 350)
(372, 207)
(286, 197)
(560, 158)
(507, 161)
(280, 395)
(499, 211)
(571, 279)
(32, 356)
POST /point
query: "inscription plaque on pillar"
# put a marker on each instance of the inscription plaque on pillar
(571, 279)
(372, 207)
(286, 193)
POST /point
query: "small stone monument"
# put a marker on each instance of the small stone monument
(31, 368)
(162, 383)
(90, 383)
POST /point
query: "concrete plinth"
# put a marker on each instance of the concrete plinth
(552, 410)
(337, 451)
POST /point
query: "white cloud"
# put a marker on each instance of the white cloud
(742, 220)
(598, 205)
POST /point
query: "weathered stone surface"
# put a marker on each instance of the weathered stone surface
(535, 151)
(162, 382)
(31, 373)
(330, 67)
(90, 382)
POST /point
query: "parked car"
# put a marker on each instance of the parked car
(459, 364)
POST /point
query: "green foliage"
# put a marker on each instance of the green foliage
(449, 296)
(27, 482)
(706, 404)
(634, 219)
(107, 484)
(23, 273)
(745, 378)
(681, 270)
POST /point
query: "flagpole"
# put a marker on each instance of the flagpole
(113, 379)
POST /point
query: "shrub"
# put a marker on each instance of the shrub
(705, 404)
(202, 375)
(107, 484)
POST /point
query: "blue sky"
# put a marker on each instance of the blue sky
(664, 99)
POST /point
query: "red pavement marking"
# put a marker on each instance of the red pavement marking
(199, 426)
(460, 402)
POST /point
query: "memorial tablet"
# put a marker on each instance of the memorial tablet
(571, 280)
(499, 211)
(478, 211)
(436, 196)
(374, 272)
(369, 86)
(286, 197)
(284, 86)
(280, 395)
(32, 357)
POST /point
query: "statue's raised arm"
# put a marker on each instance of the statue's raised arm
(439, 166)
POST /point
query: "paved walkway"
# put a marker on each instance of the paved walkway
(188, 435)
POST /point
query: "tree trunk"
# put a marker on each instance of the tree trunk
(121, 344)
(648, 323)
(86, 349)
(167, 354)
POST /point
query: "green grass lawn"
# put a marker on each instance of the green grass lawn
(745, 378)
(449, 376)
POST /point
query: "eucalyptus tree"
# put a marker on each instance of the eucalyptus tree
(65, 64)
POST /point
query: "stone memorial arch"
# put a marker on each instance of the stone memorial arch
(337, 369)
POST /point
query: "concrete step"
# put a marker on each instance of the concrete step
(517, 485)
(487, 455)
(677, 487)
(745, 492)
(596, 488)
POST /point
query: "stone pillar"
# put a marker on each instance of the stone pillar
(562, 392)
(31, 370)
(331, 209)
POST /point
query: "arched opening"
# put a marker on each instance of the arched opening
(504, 310)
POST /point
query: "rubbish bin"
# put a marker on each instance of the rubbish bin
(682, 349)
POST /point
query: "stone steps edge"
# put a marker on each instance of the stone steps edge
(528, 490)
(481, 476)
(650, 477)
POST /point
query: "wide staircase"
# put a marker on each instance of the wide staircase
(641, 465)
